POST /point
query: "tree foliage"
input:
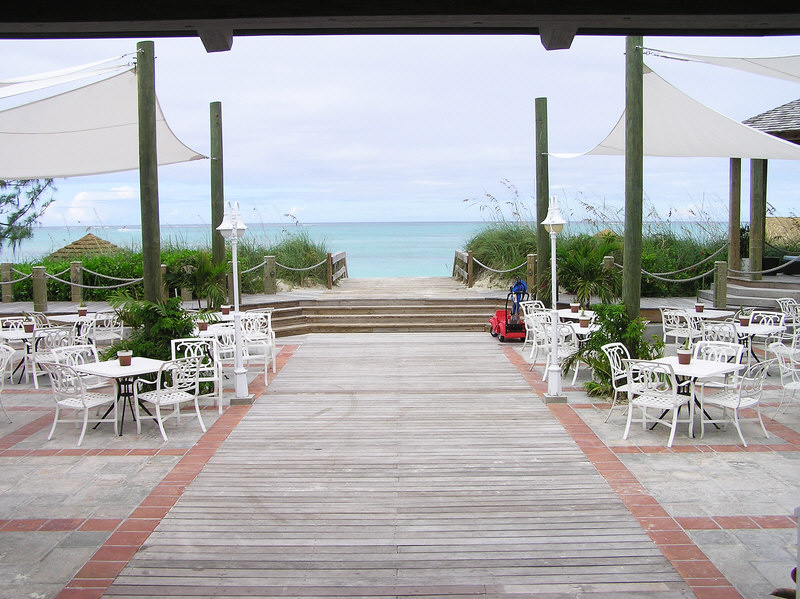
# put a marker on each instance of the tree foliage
(22, 203)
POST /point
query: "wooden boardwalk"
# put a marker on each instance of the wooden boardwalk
(399, 465)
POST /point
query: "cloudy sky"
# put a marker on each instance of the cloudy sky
(406, 128)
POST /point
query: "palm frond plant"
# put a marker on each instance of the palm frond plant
(581, 270)
(614, 325)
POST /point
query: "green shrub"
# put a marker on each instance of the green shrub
(614, 326)
(581, 271)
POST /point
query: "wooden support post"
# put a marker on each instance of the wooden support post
(217, 185)
(542, 198)
(39, 289)
(634, 176)
(5, 276)
(758, 215)
(76, 278)
(470, 270)
(186, 294)
(735, 215)
(148, 172)
(531, 273)
(720, 284)
(270, 279)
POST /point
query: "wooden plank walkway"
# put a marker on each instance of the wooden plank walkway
(399, 465)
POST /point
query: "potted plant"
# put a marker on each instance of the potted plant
(82, 309)
(744, 319)
(684, 353)
(699, 306)
(583, 319)
(574, 307)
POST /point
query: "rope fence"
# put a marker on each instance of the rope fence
(482, 265)
(317, 265)
(763, 272)
(127, 283)
(98, 274)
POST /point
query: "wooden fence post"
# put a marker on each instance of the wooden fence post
(608, 262)
(530, 273)
(5, 276)
(270, 283)
(39, 289)
(720, 284)
(330, 271)
(470, 275)
(76, 278)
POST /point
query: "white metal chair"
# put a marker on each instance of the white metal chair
(75, 355)
(718, 351)
(204, 350)
(108, 328)
(259, 336)
(83, 331)
(6, 353)
(69, 392)
(675, 323)
(739, 393)
(720, 331)
(535, 324)
(617, 355)
(175, 384)
(41, 349)
(656, 387)
(38, 318)
(789, 369)
(568, 345)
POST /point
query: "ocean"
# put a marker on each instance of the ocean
(373, 249)
(423, 249)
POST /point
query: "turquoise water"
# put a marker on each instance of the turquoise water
(373, 249)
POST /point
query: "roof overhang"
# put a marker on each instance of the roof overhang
(216, 22)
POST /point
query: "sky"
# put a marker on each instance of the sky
(411, 128)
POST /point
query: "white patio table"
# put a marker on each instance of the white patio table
(697, 370)
(123, 377)
(568, 314)
(750, 331)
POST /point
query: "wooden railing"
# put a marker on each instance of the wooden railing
(462, 267)
(337, 267)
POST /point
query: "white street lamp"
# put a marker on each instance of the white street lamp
(232, 228)
(554, 224)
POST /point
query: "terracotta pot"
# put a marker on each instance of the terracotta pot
(82, 311)
(125, 357)
(699, 307)
(584, 323)
(202, 325)
(684, 356)
(574, 308)
(225, 309)
(28, 326)
(744, 322)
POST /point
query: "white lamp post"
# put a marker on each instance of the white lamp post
(554, 223)
(232, 228)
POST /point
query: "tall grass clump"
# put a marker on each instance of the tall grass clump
(503, 245)
(298, 250)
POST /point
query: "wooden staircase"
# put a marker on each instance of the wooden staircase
(758, 294)
(388, 305)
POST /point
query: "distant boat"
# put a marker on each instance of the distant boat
(123, 229)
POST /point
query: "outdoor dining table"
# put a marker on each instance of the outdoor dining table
(123, 377)
(72, 318)
(756, 330)
(697, 370)
(712, 313)
(17, 335)
(568, 314)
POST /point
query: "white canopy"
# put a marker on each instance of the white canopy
(779, 67)
(677, 125)
(86, 131)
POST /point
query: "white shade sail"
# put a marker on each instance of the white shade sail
(778, 67)
(679, 126)
(85, 131)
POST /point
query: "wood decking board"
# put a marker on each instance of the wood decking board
(399, 465)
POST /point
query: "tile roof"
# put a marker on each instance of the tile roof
(781, 119)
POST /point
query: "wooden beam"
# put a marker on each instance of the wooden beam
(735, 214)
(634, 176)
(218, 252)
(148, 171)
(542, 198)
(758, 215)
